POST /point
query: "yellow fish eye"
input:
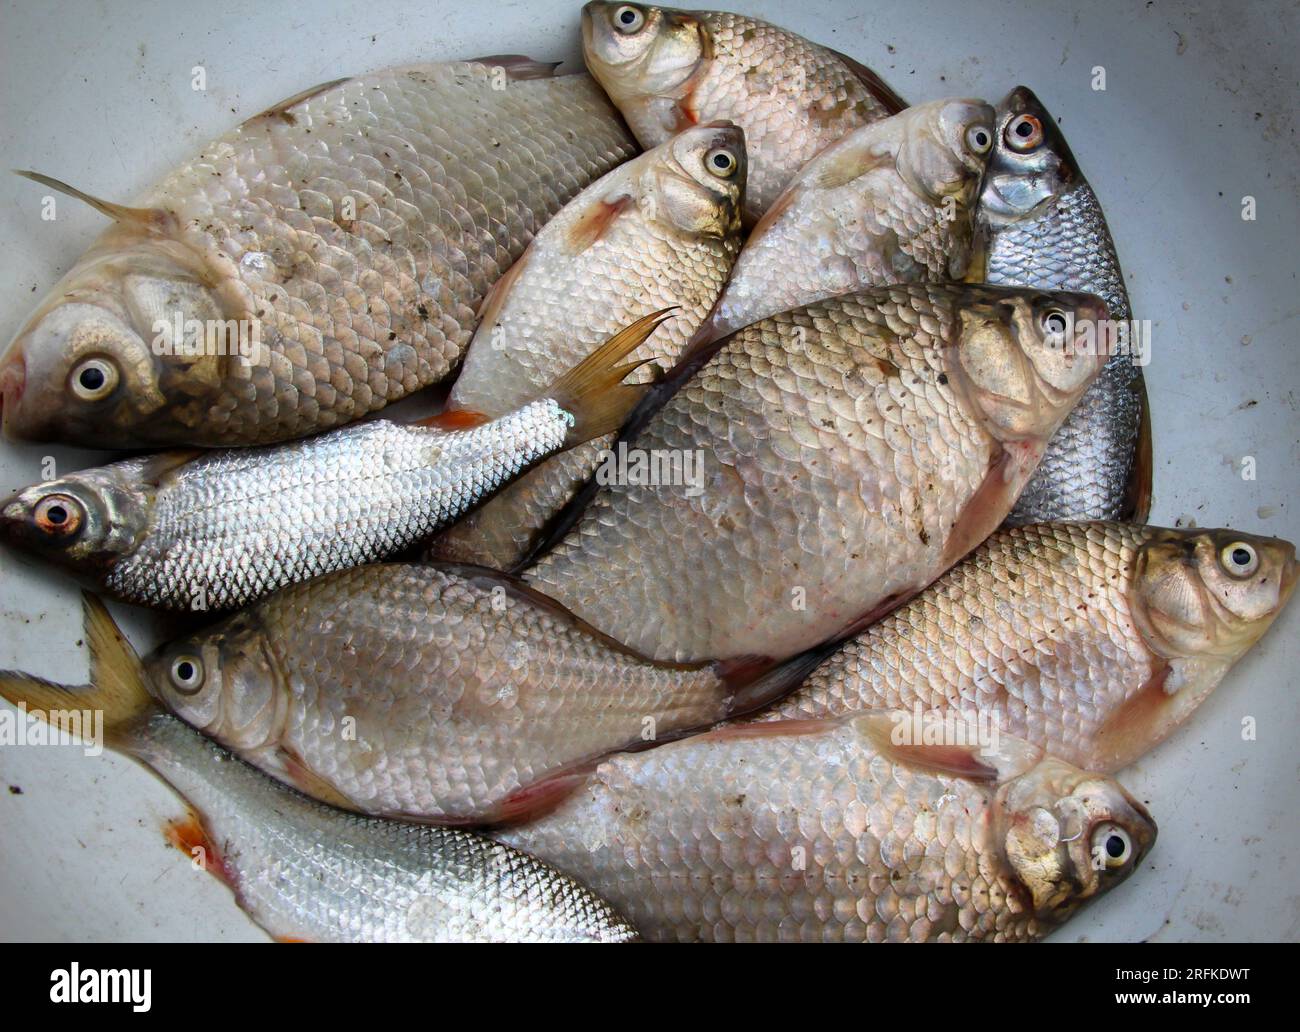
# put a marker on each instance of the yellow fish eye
(979, 139)
(1239, 559)
(93, 379)
(629, 20)
(721, 162)
(1111, 846)
(187, 674)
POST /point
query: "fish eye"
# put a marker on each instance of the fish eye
(979, 139)
(1055, 323)
(1024, 132)
(187, 674)
(59, 515)
(1112, 846)
(1239, 559)
(721, 162)
(94, 379)
(629, 20)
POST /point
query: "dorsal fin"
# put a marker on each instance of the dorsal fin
(873, 83)
(281, 110)
(519, 67)
(152, 220)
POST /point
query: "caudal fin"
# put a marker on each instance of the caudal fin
(117, 684)
(593, 392)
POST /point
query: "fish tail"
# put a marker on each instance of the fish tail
(756, 682)
(117, 684)
(593, 392)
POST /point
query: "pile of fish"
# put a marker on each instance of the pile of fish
(776, 569)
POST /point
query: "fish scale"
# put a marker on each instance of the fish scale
(869, 210)
(306, 871)
(791, 96)
(433, 692)
(1046, 630)
(1043, 227)
(840, 455)
(234, 526)
(812, 832)
(564, 294)
(359, 228)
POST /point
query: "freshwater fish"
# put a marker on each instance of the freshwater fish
(434, 693)
(1043, 227)
(833, 831)
(852, 450)
(891, 202)
(661, 230)
(1093, 641)
(304, 871)
(668, 69)
(325, 258)
(218, 530)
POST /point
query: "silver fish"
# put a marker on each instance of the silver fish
(1044, 228)
(308, 872)
(222, 529)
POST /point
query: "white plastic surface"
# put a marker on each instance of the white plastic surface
(1198, 112)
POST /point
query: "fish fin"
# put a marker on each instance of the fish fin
(756, 681)
(768, 729)
(877, 612)
(984, 510)
(845, 164)
(1127, 732)
(152, 220)
(540, 798)
(154, 468)
(454, 419)
(593, 392)
(289, 938)
(281, 110)
(190, 836)
(117, 686)
(518, 67)
(1137, 493)
(1003, 759)
(309, 782)
(489, 309)
(596, 223)
(874, 84)
(487, 578)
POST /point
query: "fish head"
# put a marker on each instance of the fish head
(86, 521)
(946, 148)
(1029, 355)
(225, 681)
(1210, 594)
(97, 363)
(1031, 164)
(647, 59)
(698, 182)
(1070, 835)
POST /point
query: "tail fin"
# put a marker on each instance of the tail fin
(755, 687)
(117, 685)
(593, 391)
